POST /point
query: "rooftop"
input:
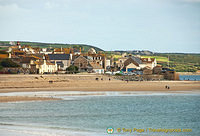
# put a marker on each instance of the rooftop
(59, 56)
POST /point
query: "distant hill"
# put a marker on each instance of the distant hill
(136, 52)
(55, 45)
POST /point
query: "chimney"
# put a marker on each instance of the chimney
(70, 56)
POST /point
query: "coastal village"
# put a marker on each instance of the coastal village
(35, 60)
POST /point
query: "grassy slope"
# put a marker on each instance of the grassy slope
(158, 58)
(179, 61)
(55, 45)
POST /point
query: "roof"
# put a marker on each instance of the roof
(81, 57)
(49, 63)
(2, 56)
(39, 56)
(59, 56)
(42, 62)
(95, 65)
(19, 51)
(147, 60)
(13, 46)
(38, 62)
(27, 59)
(136, 59)
(35, 57)
(147, 67)
(158, 65)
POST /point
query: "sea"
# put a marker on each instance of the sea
(190, 77)
(110, 114)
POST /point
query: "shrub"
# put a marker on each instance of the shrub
(72, 68)
(8, 63)
(118, 74)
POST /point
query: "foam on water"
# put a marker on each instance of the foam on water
(89, 114)
(28, 130)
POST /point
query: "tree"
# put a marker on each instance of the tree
(3, 52)
(8, 63)
(72, 69)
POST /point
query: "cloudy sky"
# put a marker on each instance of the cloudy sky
(156, 25)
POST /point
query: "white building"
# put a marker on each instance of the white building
(44, 67)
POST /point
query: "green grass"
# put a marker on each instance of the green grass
(84, 47)
(179, 62)
(158, 58)
(117, 56)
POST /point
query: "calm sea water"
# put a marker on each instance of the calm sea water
(190, 77)
(92, 115)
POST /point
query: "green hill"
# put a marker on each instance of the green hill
(181, 62)
(55, 45)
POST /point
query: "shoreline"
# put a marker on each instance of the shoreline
(86, 83)
(66, 95)
(4, 99)
(187, 73)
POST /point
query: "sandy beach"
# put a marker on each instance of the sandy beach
(24, 98)
(30, 83)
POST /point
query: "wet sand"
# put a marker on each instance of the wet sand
(30, 83)
(24, 98)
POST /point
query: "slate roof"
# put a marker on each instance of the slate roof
(27, 59)
(59, 56)
(136, 59)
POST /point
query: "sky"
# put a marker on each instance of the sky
(155, 25)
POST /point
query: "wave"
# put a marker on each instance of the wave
(11, 129)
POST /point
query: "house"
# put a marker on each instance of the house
(150, 62)
(132, 63)
(58, 51)
(43, 66)
(28, 49)
(120, 62)
(82, 63)
(62, 60)
(15, 47)
(4, 56)
(96, 68)
(157, 69)
(17, 53)
(136, 63)
(99, 57)
(11, 48)
(25, 61)
(63, 51)
(198, 71)
(107, 63)
(147, 70)
(46, 51)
